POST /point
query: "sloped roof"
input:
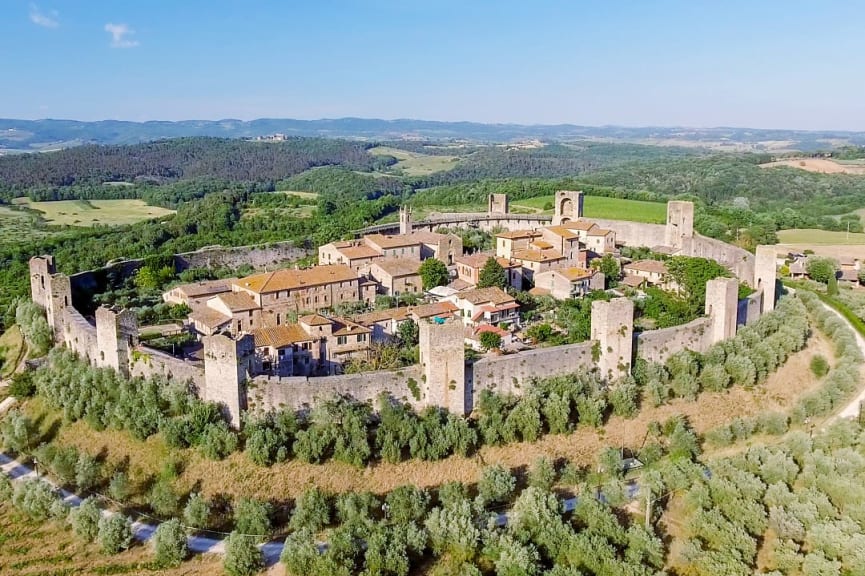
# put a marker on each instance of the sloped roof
(398, 266)
(434, 309)
(563, 231)
(517, 234)
(205, 288)
(633, 281)
(599, 232)
(532, 255)
(573, 273)
(395, 241)
(209, 317)
(280, 336)
(289, 279)
(358, 252)
(343, 327)
(651, 266)
(398, 314)
(237, 301)
(492, 294)
(583, 225)
(314, 320)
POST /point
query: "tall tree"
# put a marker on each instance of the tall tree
(433, 272)
(492, 274)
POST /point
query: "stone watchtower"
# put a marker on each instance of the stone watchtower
(442, 360)
(680, 223)
(51, 291)
(116, 336)
(568, 206)
(613, 329)
(405, 224)
(227, 366)
(722, 303)
(497, 204)
(765, 275)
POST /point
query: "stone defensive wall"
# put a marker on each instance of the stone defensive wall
(302, 393)
(511, 373)
(256, 255)
(146, 362)
(659, 345)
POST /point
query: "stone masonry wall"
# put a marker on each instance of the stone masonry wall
(258, 256)
(510, 374)
(147, 362)
(658, 345)
(301, 393)
(79, 335)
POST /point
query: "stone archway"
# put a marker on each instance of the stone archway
(566, 208)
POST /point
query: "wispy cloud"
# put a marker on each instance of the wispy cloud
(121, 35)
(48, 19)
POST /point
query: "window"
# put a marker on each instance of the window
(361, 337)
(340, 340)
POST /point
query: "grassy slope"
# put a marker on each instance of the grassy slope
(92, 212)
(11, 350)
(414, 164)
(813, 236)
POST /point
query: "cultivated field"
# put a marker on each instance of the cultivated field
(414, 164)
(97, 212)
(820, 165)
(237, 475)
(17, 227)
(28, 547)
(608, 208)
(812, 237)
(300, 194)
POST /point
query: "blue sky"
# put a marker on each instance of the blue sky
(767, 64)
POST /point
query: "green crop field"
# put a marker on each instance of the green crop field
(813, 236)
(603, 207)
(97, 212)
(17, 226)
(300, 194)
(413, 164)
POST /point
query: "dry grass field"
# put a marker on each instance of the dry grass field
(238, 475)
(35, 548)
(414, 164)
(97, 212)
(812, 237)
(820, 165)
(12, 350)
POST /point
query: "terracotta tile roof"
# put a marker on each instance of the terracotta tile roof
(633, 281)
(344, 327)
(397, 266)
(493, 294)
(542, 244)
(431, 310)
(572, 274)
(538, 255)
(358, 252)
(599, 232)
(651, 266)
(205, 288)
(397, 314)
(475, 260)
(849, 275)
(280, 336)
(209, 317)
(395, 241)
(517, 234)
(313, 320)
(237, 301)
(426, 237)
(490, 328)
(539, 291)
(290, 279)
(563, 232)
(459, 284)
(583, 225)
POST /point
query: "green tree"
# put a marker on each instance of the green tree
(490, 340)
(242, 556)
(492, 274)
(496, 484)
(609, 267)
(433, 272)
(311, 510)
(115, 533)
(252, 517)
(821, 269)
(169, 544)
(408, 332)
(196, 513)
(85, 520)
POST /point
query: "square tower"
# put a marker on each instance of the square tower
(568, 206)
(680, 223)
(227, 367)
(765, 274)
(497, 204)
(116, 336)
(405, 224)
(722, 306)
(613, 329)
(442, 359)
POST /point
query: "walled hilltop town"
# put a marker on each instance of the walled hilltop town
(268, 341)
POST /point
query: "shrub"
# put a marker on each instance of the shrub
(85, 520)
(5, 488)
(18, 432)
(196, 513)
(406, 504)
(169, 544)
(819, 366)
(86, 472)
(218, 441)
(119, 487)
(163, 499)
(252, 517)
(242, 557)
(34, 497)
(115, 533)
(496, 485)
(542, 474)
(22, 385)
(311, 511)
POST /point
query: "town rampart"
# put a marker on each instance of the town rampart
(147, 362)
(257, 256)
(659, 345)
(301, 393)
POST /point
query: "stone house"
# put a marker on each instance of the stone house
(654, 271)
(238, 309)
(567, 242)
(385, 323)
(444, 247)
(197, 292)
(469, 269)
(601, 241)
(395, 246)
(485, 306)
(473, 336)
(396, 276)
(535, 260)
(355, 254)
(566, 283)
(508, 243)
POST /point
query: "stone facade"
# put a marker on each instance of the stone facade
(722, 306)
(568, 206)
(227, 367)
(765, 274)
(117, 335)
(680, 223)
(497, 204)
(613, 329)
(442, 360)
